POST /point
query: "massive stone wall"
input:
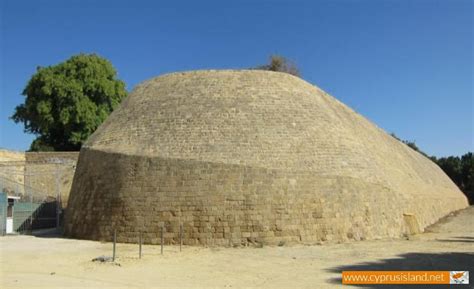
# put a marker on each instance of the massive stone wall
(220, 204)
(51, 171)
(38, 173)
(12, 171)
(249, 156)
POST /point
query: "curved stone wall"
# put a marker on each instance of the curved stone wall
(249, 156)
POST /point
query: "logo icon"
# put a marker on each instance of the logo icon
(459, 277)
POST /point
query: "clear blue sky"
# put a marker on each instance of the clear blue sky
(405, 65)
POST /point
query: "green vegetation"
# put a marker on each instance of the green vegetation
(459, 169)
(65, 103)
(281, 64)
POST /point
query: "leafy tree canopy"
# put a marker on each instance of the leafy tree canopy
(461, 171)
(65, 103)
(281, 64)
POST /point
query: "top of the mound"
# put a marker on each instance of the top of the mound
(183, 113)
(210, 72)
(255, 118)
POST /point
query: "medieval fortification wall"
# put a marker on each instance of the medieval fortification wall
(40, 173)
(249, 156)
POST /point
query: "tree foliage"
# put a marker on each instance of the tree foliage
(65, 103)
(281, 64)
(452, 167)
(459, 169)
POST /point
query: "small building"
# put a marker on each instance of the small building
(8, 202)
(34, 187)
(20, 214)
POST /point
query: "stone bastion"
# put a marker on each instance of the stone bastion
(249, 156)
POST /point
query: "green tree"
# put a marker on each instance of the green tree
(65, 103)
(281, 64)
(461, 171)
(452, 167)
(467, 175)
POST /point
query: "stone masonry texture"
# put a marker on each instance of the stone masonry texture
(249, 156)
(43, 174)
(37, 171)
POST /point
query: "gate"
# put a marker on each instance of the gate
(30, 195)
(23, 209)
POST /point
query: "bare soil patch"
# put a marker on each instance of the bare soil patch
(54, 262)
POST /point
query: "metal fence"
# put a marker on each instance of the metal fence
(30, 196)
(30, 209)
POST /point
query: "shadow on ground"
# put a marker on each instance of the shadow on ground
(458, 240)
(47, 233)
(414, 262)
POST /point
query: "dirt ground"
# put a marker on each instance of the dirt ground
(54, 262)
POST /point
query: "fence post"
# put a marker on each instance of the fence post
(140, 240)
(180, 236)
(32, 216)
(115, 241)
(162, 239)
(58, 196)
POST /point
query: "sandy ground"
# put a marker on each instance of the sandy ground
(53, 262)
